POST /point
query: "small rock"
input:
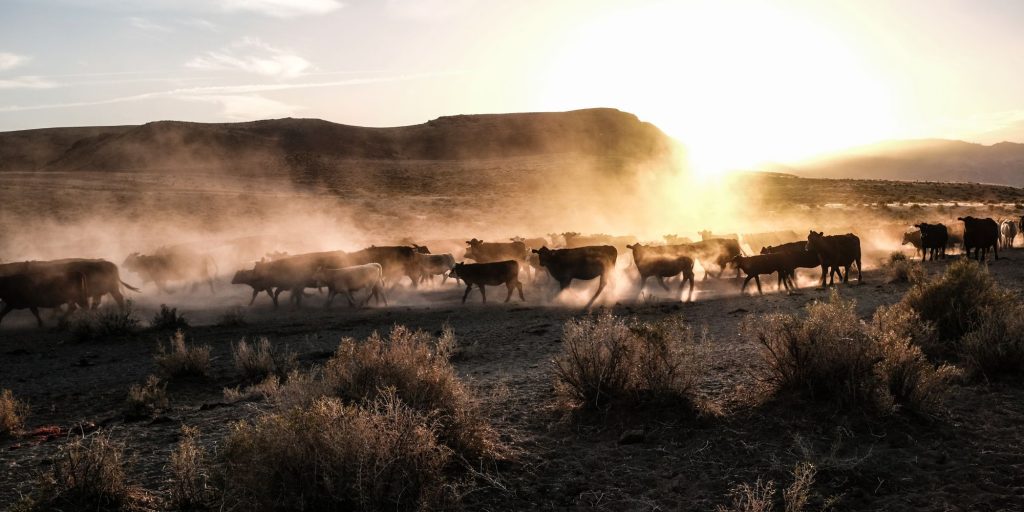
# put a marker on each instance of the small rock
(632, 437)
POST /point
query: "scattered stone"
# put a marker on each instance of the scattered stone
(632, 437)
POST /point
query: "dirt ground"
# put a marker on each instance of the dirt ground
(969, 457)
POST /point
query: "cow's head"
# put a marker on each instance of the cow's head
(421, 249)
(474, 242)
(244, 277)
(454, 272)
(814, 239)
(543, 255)
(767, 249)
(517, 239)
(132, 261)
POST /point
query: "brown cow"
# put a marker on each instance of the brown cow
(169, 264)
(654, 262)
(584, 263)
(489, 274)
(43, 289)
(489, 252)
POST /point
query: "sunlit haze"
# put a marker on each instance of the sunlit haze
(738, 82)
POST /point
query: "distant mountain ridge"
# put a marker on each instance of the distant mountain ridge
(178, 145)
(922, 160)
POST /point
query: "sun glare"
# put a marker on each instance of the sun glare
(744, 86)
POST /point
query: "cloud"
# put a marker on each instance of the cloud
(247, 107)
(148, 25)
(428, 9)
(201, 23)
(11, 61)
(282, 8)
(27, 82)
(252, 56)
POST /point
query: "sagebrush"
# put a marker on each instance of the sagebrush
(168, 319)
(955, 302)
(179, 358)
(106, 322)
(145, 400)
(12, 414)
(258, 361)
(189, 482)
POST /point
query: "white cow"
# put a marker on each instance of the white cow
(352, 279)
(1007, 232)
(435, 264)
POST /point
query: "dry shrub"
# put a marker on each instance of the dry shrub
(606, 360)
(761, 496)
(168, 319)
(334, 456)
(256, 362)
(106, 322)
(995, 348)
(147, 399)
(955, 302)
(832, 356)
(900, 269)
(418, 369)
(189, 478)
(87, 474)
(914, 382)
(234, 317)
(12, 414)
(179, 359)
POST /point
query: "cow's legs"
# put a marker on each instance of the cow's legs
(643, 282)
(744, 285)
(757, 280)
(510, 286)
(255, 292)
(469, 287)
(35, 311)
(380, 293)
(7, 309)
(600, 287)
(483, 292)
(682, 283)
(661, 281)
(519, 286)
(351, 298)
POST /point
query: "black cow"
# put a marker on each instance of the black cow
(102, 276)
(584, 263)
(836, 251)
(45, 289)
(761, 264)
(934, 240)
(489, 274)
(657, 262)
(798, 256)
(257, 282)
(980, 234)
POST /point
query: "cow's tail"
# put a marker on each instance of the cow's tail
(128, 286)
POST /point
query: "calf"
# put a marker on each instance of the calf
(1007, 232)
(979, 235)
(653, 263)
(47, 289)
(489, 274)
(584, 263)
(257, 282)
(914, 239)
(934, 240)
(835, 251)
(349, 280)
(755, 266)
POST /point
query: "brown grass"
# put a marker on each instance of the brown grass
(995, 348)
(607, 360)
(900, 269)
(106, 322)
(258, 361)
(333, 456)
(168, 319)
(418, 369)
(147, 399)
(189, 478)
(12, 414)
(762, 495)
(87, 474)
(179, 359)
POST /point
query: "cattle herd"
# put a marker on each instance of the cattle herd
(82, 283)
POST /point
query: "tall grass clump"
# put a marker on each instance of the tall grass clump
(607, 361)
(258, 361)
(995, 348)
(900, 269)
(382, 455)
(179, 359)
(762, 495)
(955, 302)
(417, 367)
(168, 319)
(829, 355)
(106, 322)
(189, 489)
(87, 474)
(146, 399)
(12, 414)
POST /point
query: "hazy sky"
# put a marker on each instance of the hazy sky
(737, 81)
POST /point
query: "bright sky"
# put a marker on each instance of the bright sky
(738, 82)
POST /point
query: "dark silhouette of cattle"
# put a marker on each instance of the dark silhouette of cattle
(489, 274)
(295, 273)
(43, 289)
(172, 264)
(257, 282)
(349, 280)
(584, 263)
(766, 264)
(491, 252)
(676, 240)
(914, 239)
(979, 236)
(708, 235)
(657, 262)
(798, 256)
(934, 238)
(575, 240)
(102, 277)
(835, 251)
(396, 260)
(716, 251)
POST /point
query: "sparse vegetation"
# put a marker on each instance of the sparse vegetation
(900, 269)
(12, 414)
(168, 319)
(233, 317)
(334, 456)
(607, 360)
(258, 361)
(830, 355)
(146, 399)
(179, 359)
(104, 323)
(87, 474)
(761, 496)
(995, 348)
(189, 488)
(955, 302)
